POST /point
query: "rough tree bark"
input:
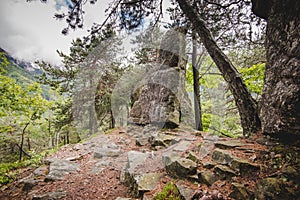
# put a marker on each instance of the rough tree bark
(280, 106)
(247, 106)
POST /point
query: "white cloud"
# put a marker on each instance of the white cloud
(29, 31)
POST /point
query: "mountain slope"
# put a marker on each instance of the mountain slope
(23, 72)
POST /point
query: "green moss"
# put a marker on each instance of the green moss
(109, 131)
(200, 144)
(169, 192)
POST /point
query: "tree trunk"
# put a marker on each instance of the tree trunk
(112, 120)
(280, 106)
(247, 106)
(197, 100)
(28, 143)
(22, 141)
(68, 137)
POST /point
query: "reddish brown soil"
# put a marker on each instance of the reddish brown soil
(107, 184)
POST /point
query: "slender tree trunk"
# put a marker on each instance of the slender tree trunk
(197, 100)
(112, 120)
(22, 140)
(64, 139)
(68, 137)
(247, 106)
(28, 142)
(280, 105)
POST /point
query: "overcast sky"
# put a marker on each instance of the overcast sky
(29, 31)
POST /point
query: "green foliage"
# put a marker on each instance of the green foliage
(254, 77)
(3, 63)
(219, 115)
(169, 192)
(21, 111)
(9, 171)
(206, 120)
(21, 104)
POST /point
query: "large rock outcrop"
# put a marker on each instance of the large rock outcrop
(280, 114)
(162, 99)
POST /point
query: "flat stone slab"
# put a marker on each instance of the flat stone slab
(240, 192)
(206, 149)
(229, 144)
(106, 152)
(244, 167)
(182, 168)
(224, 172)
(207, 177)
(164, 140)
(135, 158)
(147, 182)
(193, 157)
(182, 146)
(100, 166)
(50, 196)
(222, 156)
(169, 157)
(210, 137)
(59, 168)
(185, 191)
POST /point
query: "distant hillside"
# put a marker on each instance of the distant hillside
(24, 72)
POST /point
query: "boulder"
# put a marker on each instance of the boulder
(169, 158)
(162, 98)
(244, 167)
(193, 157)
(50, 196)
(181, 168)
(275, 189)
(240, 192)
(208, 164)
(206, 148)
(59, 168)
(164, 140)
(222, 156)
(142, 141)
(182, 146)
(135, 159)
(224, 172)
(106, 152)
(28, 184)
(147, 182)
(132, 174)
(100, 166)
(229, 144)
(186, 192)
(207, 177)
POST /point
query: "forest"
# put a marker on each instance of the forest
(203, 102)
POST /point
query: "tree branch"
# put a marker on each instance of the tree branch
(223, 6)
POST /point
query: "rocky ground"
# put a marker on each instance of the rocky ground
(135, 163)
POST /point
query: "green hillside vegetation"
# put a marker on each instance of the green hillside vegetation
(24, 77)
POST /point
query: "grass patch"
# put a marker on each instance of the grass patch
(169, 192)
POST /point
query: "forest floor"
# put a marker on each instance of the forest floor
(98, 173)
